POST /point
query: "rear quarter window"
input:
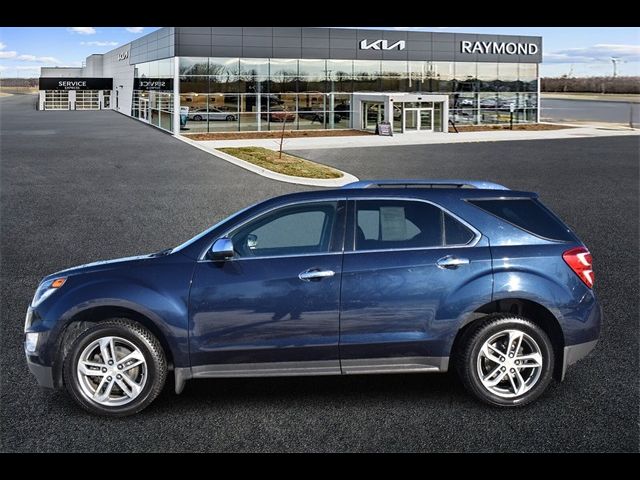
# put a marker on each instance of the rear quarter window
(529, 215)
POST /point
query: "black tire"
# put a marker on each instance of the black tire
(231, 118)
(197, 118)
(466, 358)
(141, 338)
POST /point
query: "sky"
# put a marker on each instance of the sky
(579, 51)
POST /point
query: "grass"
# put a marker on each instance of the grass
(287, 165)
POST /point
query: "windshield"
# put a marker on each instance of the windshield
(210, 229)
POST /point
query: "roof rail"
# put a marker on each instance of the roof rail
(426, 183)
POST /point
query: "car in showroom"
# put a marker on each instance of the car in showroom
(213, 113)
(380, 276)
(278, 115)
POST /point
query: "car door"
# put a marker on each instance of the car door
(273, 308)
(408, 272)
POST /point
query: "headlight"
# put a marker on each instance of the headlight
(46, 289)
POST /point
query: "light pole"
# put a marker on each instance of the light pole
(615, 61)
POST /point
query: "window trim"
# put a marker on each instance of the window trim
(203, 255)
(471, 243)
(532, 199)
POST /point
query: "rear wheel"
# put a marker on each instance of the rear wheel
(507, 360)
(115, 368)
(197, 118)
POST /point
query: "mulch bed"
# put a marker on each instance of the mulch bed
(275, 134)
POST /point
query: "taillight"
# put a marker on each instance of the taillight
(579, 259)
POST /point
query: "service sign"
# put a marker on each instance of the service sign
(61, 83)
(153, 84)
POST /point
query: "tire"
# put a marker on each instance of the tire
(197, 118)
(230, 118)
(146, 370)
(471, 362)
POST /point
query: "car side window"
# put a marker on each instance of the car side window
(389, 224)
(294, 230)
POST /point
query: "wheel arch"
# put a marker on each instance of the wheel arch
(534, 311)
(81, 320)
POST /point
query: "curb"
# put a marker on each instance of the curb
(316, 182)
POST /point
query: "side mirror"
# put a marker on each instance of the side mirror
(221, 250)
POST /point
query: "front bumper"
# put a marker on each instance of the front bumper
(574, 353)
(44, 375)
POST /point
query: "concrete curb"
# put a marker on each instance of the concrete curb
(316, 182)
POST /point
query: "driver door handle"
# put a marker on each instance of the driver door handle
(450, 262)
(315, 274)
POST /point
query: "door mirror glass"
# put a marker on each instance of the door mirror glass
(221, 250)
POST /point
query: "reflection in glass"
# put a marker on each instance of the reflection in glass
(528, 77)
(224, 66)
(366, 68)
(194, 66)
(442, 75)
(465, 77)
(487, 76)
(254, 66)
(312, 68)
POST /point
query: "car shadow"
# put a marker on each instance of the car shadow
(347, 389)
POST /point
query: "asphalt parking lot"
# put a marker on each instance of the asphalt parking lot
(82, 186)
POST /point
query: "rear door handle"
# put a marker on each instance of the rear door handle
(315, 274)
(450, 262)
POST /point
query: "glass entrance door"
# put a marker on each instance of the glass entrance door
(426, 119)
(418, 119)
(144, 109)
(372, 114)
(411, 119)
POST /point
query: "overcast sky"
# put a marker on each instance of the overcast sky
(583, 51)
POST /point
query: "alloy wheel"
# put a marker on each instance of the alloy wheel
(509, 364)
(112, 371)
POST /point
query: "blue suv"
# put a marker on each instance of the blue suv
(380, 276)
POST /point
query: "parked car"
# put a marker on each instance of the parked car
(386, 276)
(279, 116)
(318, 116)
(199, 114)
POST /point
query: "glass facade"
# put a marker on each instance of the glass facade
(154, 106)
(249, 94)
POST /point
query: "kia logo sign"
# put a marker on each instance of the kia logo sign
(382, 45)
(123, 55)
(499, 48)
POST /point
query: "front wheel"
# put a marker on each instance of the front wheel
(507, 361)
(115, 368)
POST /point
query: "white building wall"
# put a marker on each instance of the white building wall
(64, 72)
(94, 66)
(115, 64)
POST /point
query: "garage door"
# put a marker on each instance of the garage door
(56, 100)
(87, 100)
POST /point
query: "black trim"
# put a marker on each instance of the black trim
(44, 375)
(78, 83)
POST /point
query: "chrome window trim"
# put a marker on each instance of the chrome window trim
(202, 256)
(471, 243)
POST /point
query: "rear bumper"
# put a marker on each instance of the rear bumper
(574, 353)
(44, 375)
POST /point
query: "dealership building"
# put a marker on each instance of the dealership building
(230, 79)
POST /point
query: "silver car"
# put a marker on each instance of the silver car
(199, 114)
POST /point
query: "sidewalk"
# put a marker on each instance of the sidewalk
(420, 138)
